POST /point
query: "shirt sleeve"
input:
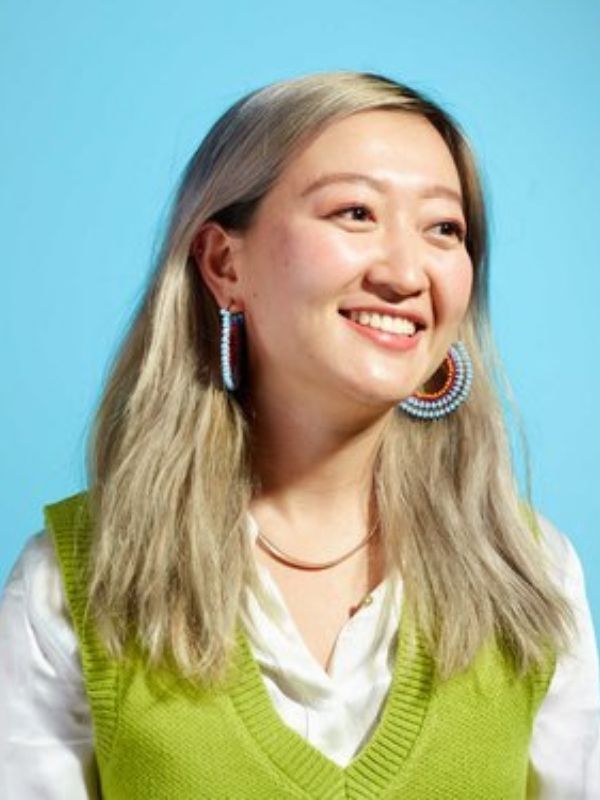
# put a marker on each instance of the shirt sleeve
(46, 738)
(565, 746)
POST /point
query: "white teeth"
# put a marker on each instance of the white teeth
(384, 322)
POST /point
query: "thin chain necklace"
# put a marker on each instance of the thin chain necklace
(291, 561)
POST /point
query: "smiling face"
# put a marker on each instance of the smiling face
(354, 276)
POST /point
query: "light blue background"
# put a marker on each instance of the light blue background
(101, 105)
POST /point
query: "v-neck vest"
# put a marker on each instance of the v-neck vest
(160, 737)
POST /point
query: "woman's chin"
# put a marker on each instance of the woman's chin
(380, 398)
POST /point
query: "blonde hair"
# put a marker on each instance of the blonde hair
(169, 466)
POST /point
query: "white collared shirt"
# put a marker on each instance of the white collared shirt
(46, 738)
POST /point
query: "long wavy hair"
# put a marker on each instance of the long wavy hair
(170, 471)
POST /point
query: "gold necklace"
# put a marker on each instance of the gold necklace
(291, 561)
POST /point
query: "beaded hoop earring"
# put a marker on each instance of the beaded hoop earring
(456, 388)
(232, 343)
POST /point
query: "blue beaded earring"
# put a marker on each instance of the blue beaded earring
(456, 388)
(232, 345)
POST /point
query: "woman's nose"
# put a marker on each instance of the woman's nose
(400, 268)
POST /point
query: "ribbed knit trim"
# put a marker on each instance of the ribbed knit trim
(70, 526)
(373, 769)
(542, 677)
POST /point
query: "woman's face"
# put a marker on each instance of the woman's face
(354, 276)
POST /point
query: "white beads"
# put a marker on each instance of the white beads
(457, 393)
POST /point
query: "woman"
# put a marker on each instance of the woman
(303, 568)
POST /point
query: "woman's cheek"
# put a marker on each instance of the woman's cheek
(458, 290)
(467, 284)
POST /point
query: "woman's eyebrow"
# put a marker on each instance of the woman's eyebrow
(439, 190)
(343, 177)
(427, 192)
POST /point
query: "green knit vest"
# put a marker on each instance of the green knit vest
(159, 737)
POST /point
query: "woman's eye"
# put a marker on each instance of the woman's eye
(449, 228)
(355, 213)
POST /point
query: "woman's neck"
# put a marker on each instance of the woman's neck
(314, 476)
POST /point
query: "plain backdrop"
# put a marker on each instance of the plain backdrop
(102, 103)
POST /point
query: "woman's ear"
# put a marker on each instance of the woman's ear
(214, 252)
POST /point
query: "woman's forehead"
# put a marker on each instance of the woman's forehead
(386, 145)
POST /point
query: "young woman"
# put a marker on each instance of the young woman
(302, 568)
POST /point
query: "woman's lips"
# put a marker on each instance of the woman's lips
(391, 341)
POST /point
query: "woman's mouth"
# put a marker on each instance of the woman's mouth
(384, 322)
(392, 332)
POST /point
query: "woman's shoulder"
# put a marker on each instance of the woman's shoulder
(34, 590)
(567, 571)
(563, 558)
(36, 573)
(555, 540)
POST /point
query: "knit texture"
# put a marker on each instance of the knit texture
(158, 736)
